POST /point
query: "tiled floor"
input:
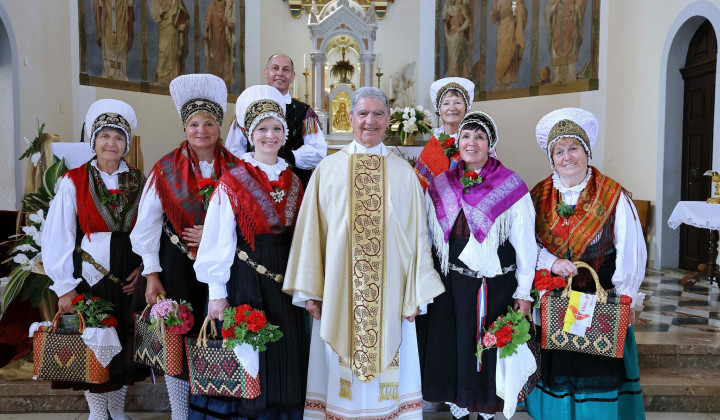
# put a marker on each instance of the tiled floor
(668, 308)
(427, 416)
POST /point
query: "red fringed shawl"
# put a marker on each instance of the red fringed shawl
(90, 206)
(594, 208)
(175, 177)
(433, 161)
(256, 212)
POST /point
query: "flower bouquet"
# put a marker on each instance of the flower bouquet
(506, 333)
(543, 283)
(94, 312)
(469, 179)
(158, 340)
(246, 331)
(206, 186)
(407, 122)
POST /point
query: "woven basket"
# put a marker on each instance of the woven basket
(215, 370)
(157, 347)
(606, 335)
(59, 354)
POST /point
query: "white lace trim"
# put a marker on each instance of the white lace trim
(522, 296)
(441, 130)
(558, 185)
(272, 171)
(151, 269)
(103, 342)
(456, 411)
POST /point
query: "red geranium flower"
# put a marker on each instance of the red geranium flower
(78, 299)
(449, 142)
(110, 321)
(471, 174)
(256, 321)
(206, 182)
(504, 336)
(240, 312)
(228, 333)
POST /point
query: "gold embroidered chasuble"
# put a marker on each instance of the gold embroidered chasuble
(361, 245)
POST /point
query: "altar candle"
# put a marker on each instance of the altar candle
(379, 61)
(305, 62)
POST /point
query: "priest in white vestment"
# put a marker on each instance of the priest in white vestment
(360, 263)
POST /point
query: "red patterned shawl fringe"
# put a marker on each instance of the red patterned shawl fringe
(88, 216)
(595, 206)
(249, 215)
(178, 217)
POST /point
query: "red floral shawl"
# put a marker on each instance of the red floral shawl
(256, 212)
(432, 162)
(594, 207)
(175, 177)
(89, 206)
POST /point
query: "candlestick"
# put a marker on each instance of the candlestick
(378, 74)
(306, 73)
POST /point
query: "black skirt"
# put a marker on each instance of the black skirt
(283, 367)
(447, 336)
(180, 283)
(123, 370)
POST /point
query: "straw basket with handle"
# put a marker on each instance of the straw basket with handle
(60, 354)
(606, 335)
(215, 370)
(158, 348)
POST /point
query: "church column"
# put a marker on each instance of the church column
(368, 69)
(318, 69)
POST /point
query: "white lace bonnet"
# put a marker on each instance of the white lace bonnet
(110, 113)
(257, 103)
(193, 93)
(463, 86)
(567, 122)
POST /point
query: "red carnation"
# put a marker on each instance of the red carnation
(449, 142)
(256, 321)
(206, 182)
(94, 298)
(109, 322)
(228, 333)
(471, 174)
(276, 184)
(504, 336)
(77, 299)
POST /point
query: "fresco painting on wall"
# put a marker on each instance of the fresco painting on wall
(516, 48)
(141, 45)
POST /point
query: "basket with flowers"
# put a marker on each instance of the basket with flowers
(158, 336)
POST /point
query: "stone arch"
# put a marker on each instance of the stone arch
(670, 118)
(10, 137)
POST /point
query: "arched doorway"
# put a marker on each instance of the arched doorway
(697, 148)
(10, 167)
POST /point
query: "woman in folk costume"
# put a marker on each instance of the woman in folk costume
(483, 240)
(252, 213)
(89, 222)
(452, 98)
(598, 225)
(174, 203)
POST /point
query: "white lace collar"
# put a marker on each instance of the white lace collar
(123, 167)
(557, 183)
(269, 170)
(440, 130)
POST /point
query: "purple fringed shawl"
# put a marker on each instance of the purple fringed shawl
(499, 190)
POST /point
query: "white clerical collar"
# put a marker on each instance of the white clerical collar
(122, 168)
(276, 169)
(287, 98)
(356, 147)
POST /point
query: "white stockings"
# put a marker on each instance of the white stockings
(178, 391)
